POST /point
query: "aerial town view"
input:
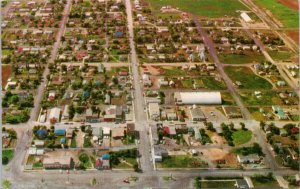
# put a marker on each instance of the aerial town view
(150, 94)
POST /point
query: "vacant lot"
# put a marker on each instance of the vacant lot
(286, 15)
(281, 55)
(6, 72)
(248, 79)
(240, 59)
(181, 161)
(268, 98)
(241, 137)
(206, 8)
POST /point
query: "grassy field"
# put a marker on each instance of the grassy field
(268, 98)
(181, 161)
(205, 82)
(207, 8)
(240, 59)
(241, 137)
(287, 16)
(279, 55)
(248, 79)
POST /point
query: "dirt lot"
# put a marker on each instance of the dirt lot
(294, 35)
(215, 154)
(216, 139)
(62, 153)
(6, 72)
(293, 4)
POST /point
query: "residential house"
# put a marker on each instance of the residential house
(117, 133)
(54, 115)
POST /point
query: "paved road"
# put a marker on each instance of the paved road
(209, 44)
(41, 88)
(139, 105)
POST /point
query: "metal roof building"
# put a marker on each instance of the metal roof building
(205, 98)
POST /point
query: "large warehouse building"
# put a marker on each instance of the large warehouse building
(205, 98)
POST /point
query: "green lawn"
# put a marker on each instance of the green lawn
(240, 59)
(181, 161)
(295, 117)
(217, 184)
(8, 153)
(241, 137)
(207, 8)
(287, 16)
(124, 165)
(248, 79)
(264, 183)
(73, 142)
(212, 84)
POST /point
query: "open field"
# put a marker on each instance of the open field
(6, 72)
(279, 55)
(247, 78)
(240, 59)
(292, 4)
(206, 8)
(286, 15)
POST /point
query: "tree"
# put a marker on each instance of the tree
(136, 167)
(6, 184)
(243, 127)
(71, 111)
(5, 160)
(93, 181)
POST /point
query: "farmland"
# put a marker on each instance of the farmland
(206, 8)
(284, 14)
